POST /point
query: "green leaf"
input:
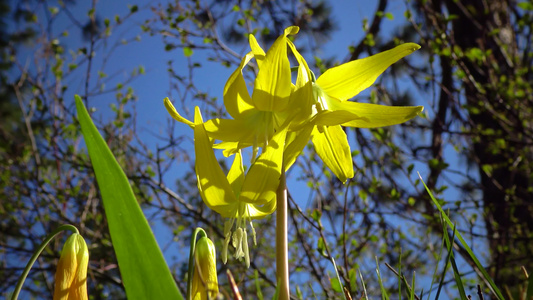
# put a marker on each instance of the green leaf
(143, 268)
(495, 290)
(525, 5)
(187, 51)
(336, 285)
(321, 247)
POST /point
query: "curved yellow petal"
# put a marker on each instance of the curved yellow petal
(231, 148)
(331, 144)
(236, 97)
(254, 129)
(295, 144)
(230, 130)
(337, 117)
(262, 179)
(255, 211)
(174, 113)
(272, 86)
(373, 115)
(301, 99)
(236, 174)
(259, 53)
(347, 80)
(213, 185)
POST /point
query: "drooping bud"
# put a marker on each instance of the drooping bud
(204, 280)
(71, 274)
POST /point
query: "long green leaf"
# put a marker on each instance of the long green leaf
(144, 271)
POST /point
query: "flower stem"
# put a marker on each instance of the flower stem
(36, 254)
(282, 255)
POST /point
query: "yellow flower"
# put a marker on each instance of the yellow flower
(71, 275)
(204, 280)
(330, 108)
(238, 196)
(256, 118)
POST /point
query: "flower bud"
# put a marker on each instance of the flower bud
(204, 281)
(71, 274)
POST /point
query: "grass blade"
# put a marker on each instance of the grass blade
(384, 295)
(456, 274)
(495, 290)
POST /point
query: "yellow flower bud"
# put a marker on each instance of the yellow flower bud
(71, 274)
(204, 280)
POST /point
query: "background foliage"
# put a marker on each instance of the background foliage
(473, 74)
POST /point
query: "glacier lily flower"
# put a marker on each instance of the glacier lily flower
(331, 110)
(71, 274)
(256, 118)
(204, 280)
(238, 196)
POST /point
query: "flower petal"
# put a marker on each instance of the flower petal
(301, 100)
(295, 144)
(213, 185)
(236, 97)
(254, 129)
(230, 130)
(174, 113)
(337, 117)
(230, 148)
(256, 211)
(272, 86)
(347, 80)
(236, 174)
(259, 53)
(331, 144)
(373, 115)
(262, 179)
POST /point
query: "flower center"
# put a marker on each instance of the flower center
(239, 237)
(321, 99)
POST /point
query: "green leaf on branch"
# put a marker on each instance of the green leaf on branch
(187, 51)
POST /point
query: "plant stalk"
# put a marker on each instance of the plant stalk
(282, 254)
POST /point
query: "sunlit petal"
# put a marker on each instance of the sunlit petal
(236, 97)
(347, 80)
(258, 52)
(374, 115)
(236, 174)
(272, 86)
(174, 113)
(213, 185)
(256, 211)
(230, 130)
(295, 144)
(331, 144)
(301, 99)
(262, 179)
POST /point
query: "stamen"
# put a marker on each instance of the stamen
(237, 242)
(227, 237)
(245, 248)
